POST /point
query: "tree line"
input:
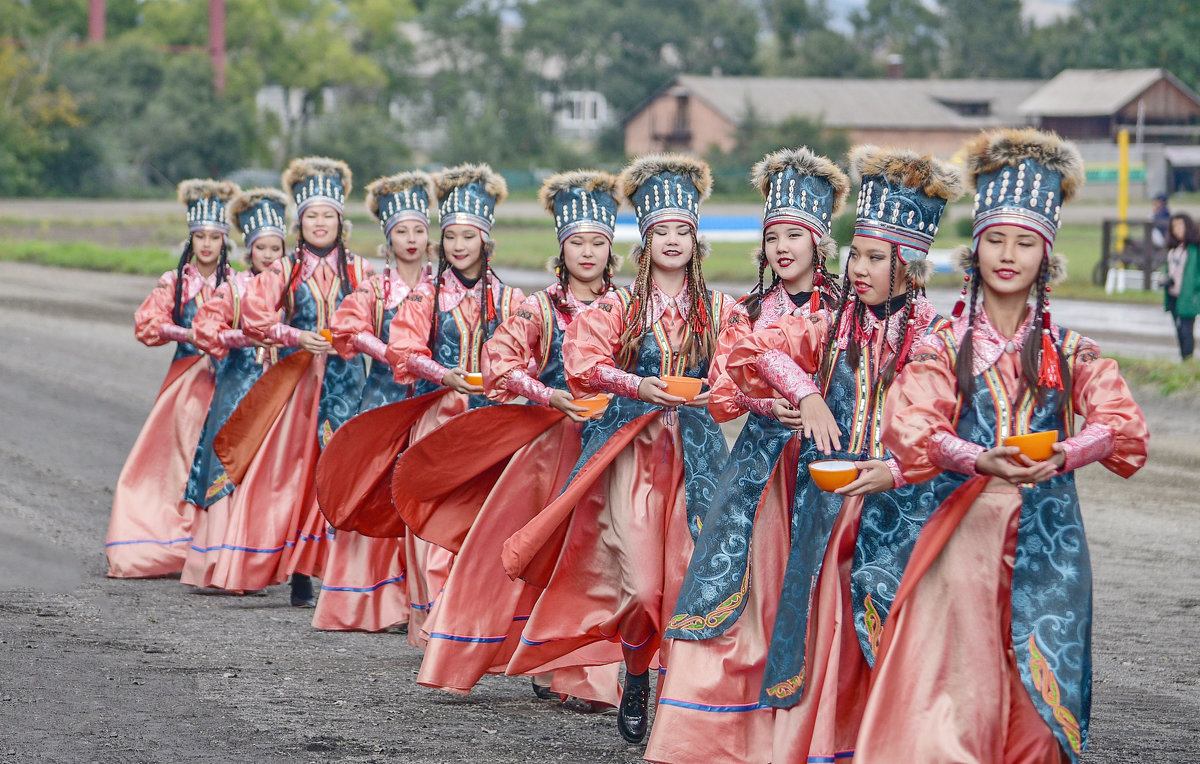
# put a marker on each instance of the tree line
(139, 112)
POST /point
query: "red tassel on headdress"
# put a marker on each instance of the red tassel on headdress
(814, 302)
(387, 284)
(1049, 374)
(959, 307)
(701, 323)
(491, 306)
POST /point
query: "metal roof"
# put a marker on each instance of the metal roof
(1094, 92)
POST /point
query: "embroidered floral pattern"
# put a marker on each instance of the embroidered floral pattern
(786, 376)
(1091, 444)
(953, 453)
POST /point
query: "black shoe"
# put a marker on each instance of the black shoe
(302, 591)
(633, 715)
(543, 691)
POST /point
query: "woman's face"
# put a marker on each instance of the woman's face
(1009, 259)
(320, 224)
(870, 269)
(409, 240)
(1178, 229)
(585, 256)
(789, 251)
(671, 246)
(264, 251)
(462, 246)
(206, 247)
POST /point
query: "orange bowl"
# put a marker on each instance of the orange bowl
(595, 405)
(684, 387)
(1038, 446)
(474, 378)
(832, 474)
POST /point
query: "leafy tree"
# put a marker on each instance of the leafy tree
(33, 116)
(904, 27)
(985, 39)
(756, 138)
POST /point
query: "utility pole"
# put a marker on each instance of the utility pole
(95, 21)
(216, 42)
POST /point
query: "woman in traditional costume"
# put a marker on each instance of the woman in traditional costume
(471, 507)
(612, 549)
(270, 444)
(708, 706)
(150, 527)
(365, 586)
(815, 674)
(986, 652)
(261, 215)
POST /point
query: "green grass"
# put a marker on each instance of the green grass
(148, 261)
(1162, 376)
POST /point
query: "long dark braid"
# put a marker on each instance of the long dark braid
(635, 317)
(486, 324)
(753, 301)
(830, 295)
(698, 346)
(1030, 353)
(963, 373)
(286, 299)
(835, 322)
(897, 361)
(437, 291)
(347, 284)
(184, 259)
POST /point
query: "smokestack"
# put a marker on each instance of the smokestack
(95, 20)
(216, 42)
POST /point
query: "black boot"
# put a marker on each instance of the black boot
(633, 716)
(543, 691)
(302, 591)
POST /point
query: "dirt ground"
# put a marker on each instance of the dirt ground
(93, 669)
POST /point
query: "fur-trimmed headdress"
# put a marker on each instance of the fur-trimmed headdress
(405, 196)
(902, 196)
(581, 201)
(469, 194)
(206, 201)
(260, 212)
(318, 180)
(1022, 177)
(802, 187)
(666, 188)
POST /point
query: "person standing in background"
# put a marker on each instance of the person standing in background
(1183, 280)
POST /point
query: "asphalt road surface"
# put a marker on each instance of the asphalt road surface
(93, 669)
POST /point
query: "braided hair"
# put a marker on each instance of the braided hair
(563, 279)
(488, 314)
(186, 257)
(1030, 351)
(752, 302)
(347, 282)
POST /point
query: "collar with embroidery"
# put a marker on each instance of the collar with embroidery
(312, 261)
(193, 282)
(453, 291)
(661, 302)
(578, 306)
(988, 344)
(923, 314)
(397, 289)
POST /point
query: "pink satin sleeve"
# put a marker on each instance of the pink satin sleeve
(725, 400)
(214, 317)
(155, 311)
(1115, 431)
(800, 338)
(355, 314)
(515, 346)
(408, 334)
(593, 340)
(920, 405)
(259, 312)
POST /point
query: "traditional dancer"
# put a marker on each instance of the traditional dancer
(270, 444)
(708, 708)
(365, 586)
(994, 609)
(815, 675)
(437, 339)
(151, 524)
(626, 520)
(261, 214)
(470, 508)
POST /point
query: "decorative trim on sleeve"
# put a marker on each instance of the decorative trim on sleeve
(426, 368)
(760, 406)
(897, 476)
(173, 332)
(284, 335)
(1091, 444)
(517, 381)
(610, 379)
(235, 339)
(951, 452)
(786, 376)
(365, 342)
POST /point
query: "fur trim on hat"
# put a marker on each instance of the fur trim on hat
(828, 248)
(805, 162)
(304, 168)
(992, 150)
(493, 182)
(590, 180)
(251, 198)
(196, 189)
(964, 259)
(644, 168)
(395, 184)
(920, 271)
(932, 177)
